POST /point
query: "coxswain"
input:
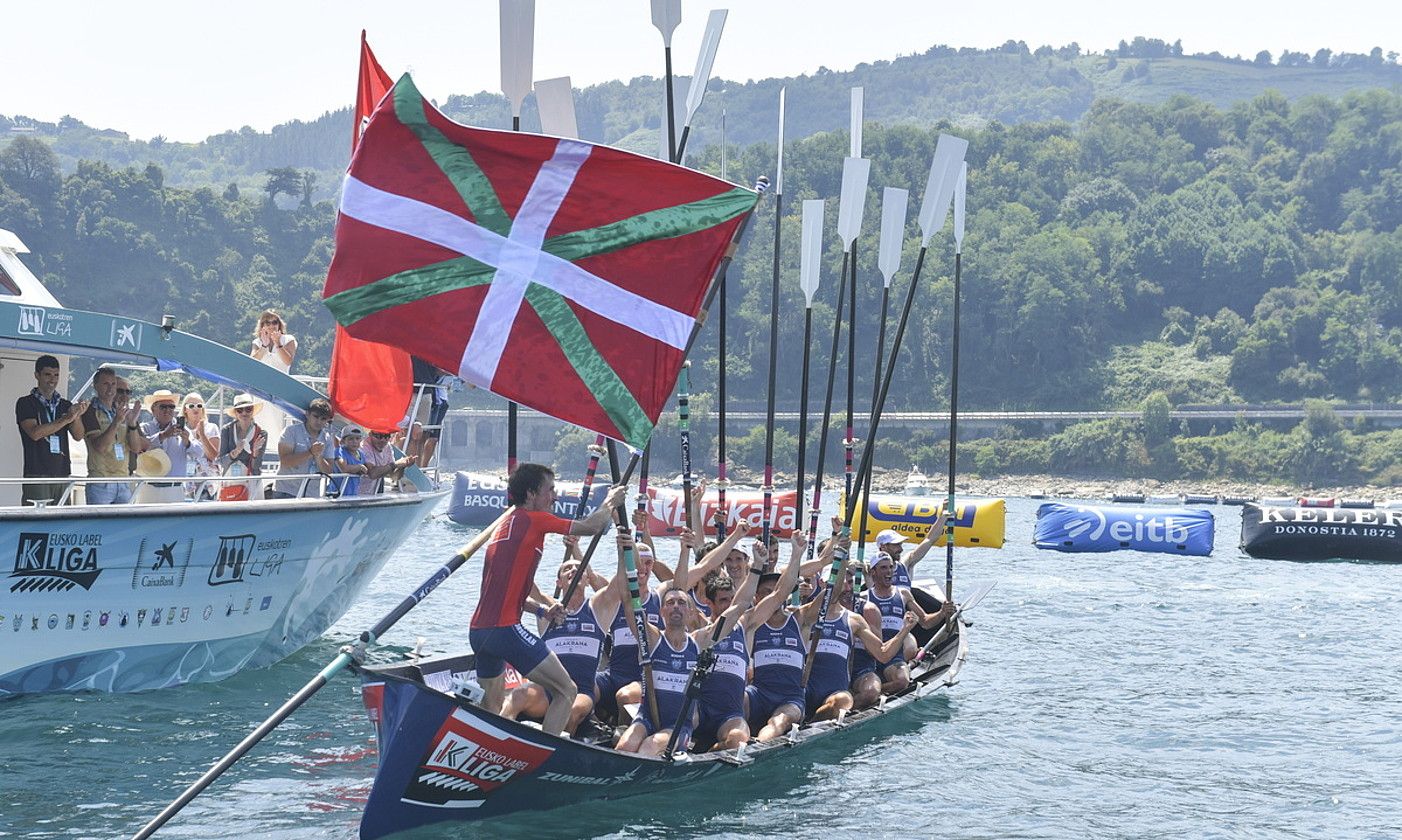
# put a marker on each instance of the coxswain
(893, 603)
(578, 641)
(508, 577)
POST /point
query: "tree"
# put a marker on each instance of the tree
(308, 184)
(1263, 58)
(231, 192)
(283, 180)
(29, 167)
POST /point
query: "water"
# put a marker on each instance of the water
(1119, 695)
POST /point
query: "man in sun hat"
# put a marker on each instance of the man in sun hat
(164, 433)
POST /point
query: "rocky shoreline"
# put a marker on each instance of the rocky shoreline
(889, 481)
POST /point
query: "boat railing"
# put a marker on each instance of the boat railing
(195, 489)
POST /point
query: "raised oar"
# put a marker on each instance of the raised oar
(721, 481)
(348, 654)
(554, 99)
(768, 488)
(949, 155)
(517, 56)
(635, 600)
(666, 14)
(959, 189)
(710, 42)
(596, 450)
(684, 429)
(827, 411)
(594, 540)
(893, 210)
(856, 170)
(810, 258)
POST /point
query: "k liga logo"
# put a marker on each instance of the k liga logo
(55, 562)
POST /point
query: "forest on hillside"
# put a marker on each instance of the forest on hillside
(1178, 251)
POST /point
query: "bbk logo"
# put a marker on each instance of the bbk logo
(232, 559)
(55, 562)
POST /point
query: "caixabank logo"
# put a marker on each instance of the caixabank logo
(47, 562)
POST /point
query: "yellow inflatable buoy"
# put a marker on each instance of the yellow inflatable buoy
(978, 523)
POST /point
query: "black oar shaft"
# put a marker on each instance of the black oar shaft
(671, 109)
(827, 411)
(875, 385)
(634, 589)
(594, 540)
(851, 442)
(721, 466)
(953, 442)
(768, 489)
(684, 429)
(803, 415)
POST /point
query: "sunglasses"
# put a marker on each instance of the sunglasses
(123, 391)
(165, 407)
(323, 415)
(195, 406)
(380, 435)
(244, 409)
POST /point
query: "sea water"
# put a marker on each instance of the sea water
(1118, 695)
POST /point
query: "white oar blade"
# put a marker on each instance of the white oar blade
(779, 161)
(811, 249)
(853, 200)
(959, 190)
(555, 99)
(939, 189)
(893, 208)
(666, 14)
(857, 117)
(715, 24)
(517, 50)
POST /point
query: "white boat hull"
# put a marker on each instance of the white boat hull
(136, 597)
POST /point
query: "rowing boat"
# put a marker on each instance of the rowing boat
(442, 758)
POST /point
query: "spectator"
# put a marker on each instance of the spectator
(275, 348)
(306, 448)
(111, 431)
(166, 432)
(380, 462)
(203, 453)
(350, 461)
(429, 407)
(42, 416)
(241, 444)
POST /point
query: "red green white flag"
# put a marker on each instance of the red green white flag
(565, 276)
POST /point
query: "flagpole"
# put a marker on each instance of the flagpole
(768, 489)
(348, 655)
(517, 56)
(959, 191)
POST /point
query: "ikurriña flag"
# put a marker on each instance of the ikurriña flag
(562, 275)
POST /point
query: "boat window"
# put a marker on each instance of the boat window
(7, 285)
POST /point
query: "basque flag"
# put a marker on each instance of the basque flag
(559, 274)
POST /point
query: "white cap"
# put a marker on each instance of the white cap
(887, 537)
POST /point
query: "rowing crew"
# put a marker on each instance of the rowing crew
(735, 604)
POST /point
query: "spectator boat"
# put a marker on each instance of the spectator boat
(141, 596)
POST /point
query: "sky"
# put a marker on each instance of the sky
(187, 70)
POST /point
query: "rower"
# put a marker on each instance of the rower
(829, 679)
(891, 543)
(894, 602)
(774, 699)
(508, 576)
(722, 706)
(674, 656)
(578, 641)
(619, 683)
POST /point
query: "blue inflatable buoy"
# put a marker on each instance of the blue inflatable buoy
(1167, 530)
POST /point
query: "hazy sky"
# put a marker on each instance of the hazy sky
(188, 69)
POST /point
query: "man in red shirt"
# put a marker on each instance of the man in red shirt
(508, 576)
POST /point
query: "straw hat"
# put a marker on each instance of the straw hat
(162, 395)
(152, 463)
(243, 400)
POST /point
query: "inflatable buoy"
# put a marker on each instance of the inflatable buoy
(1163, 500)
(978, 523)
(1199, 499)
(478, 499)
(1276, 501)
(1237, 501)
(1127, 498)
(1357, 503)
(1301, 533)
(1317, 502)
(1176, 530)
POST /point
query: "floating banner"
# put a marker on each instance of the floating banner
(1167, 530)
(1312, 533)
(978, 523)
(478, 499)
